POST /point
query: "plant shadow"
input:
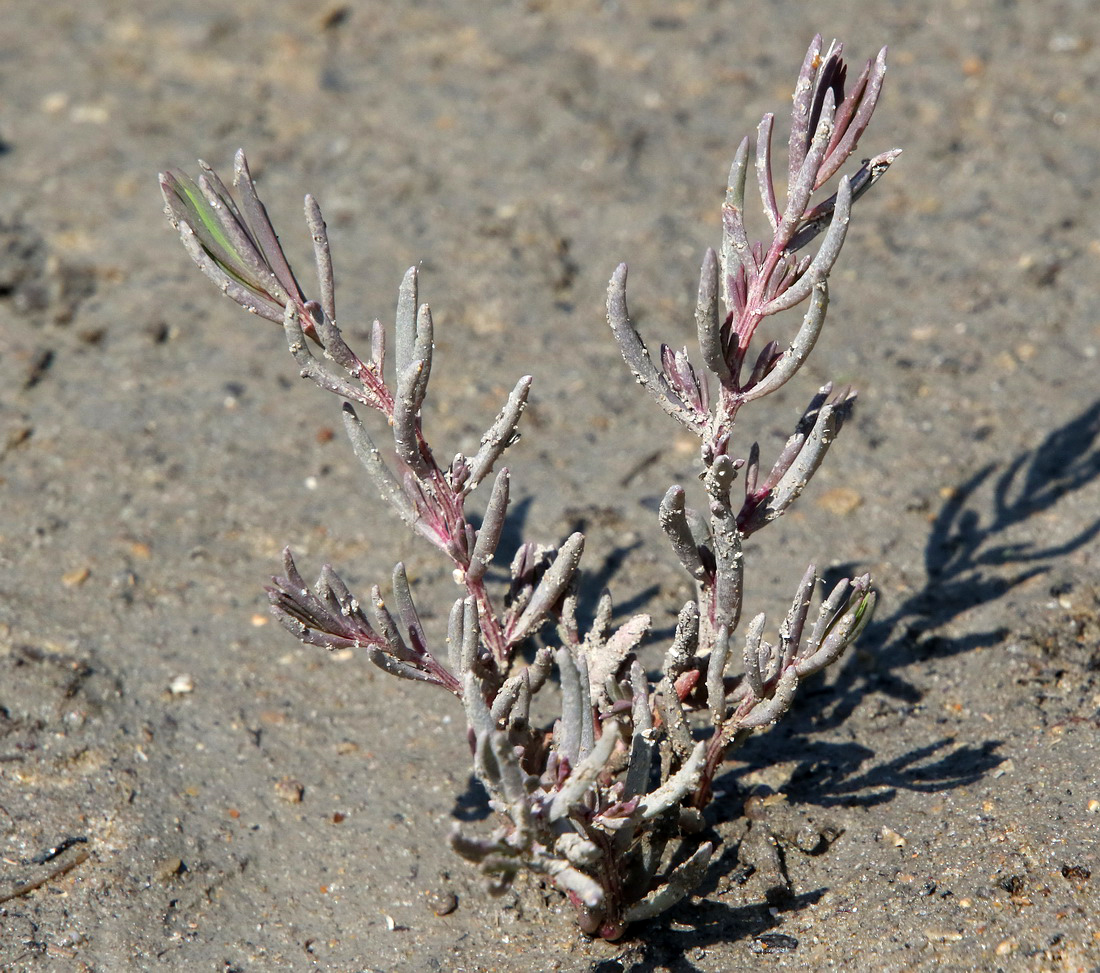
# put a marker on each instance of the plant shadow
(712, 923)
(969, 560)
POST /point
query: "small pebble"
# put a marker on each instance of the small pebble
(182, 684)
(1065, 44)
(290, 790)
(809, 840)
(891, 836)
(441, 902)
(169, 869)
(840, 500)
(773, 942)
(76, 577)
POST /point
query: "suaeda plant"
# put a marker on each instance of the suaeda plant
(607, 803)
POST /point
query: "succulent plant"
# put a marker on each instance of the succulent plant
(607, 804)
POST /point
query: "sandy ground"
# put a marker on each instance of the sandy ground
(287, 810)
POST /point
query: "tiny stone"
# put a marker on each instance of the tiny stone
(141, 550)
(809, 840)
(1065, 44)
(182, 684)
(76, 577)
(891, 836)
(54, 103)
(840, 500)
(168, 870)
(773, 942)
(290, 790)
(441, 902)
